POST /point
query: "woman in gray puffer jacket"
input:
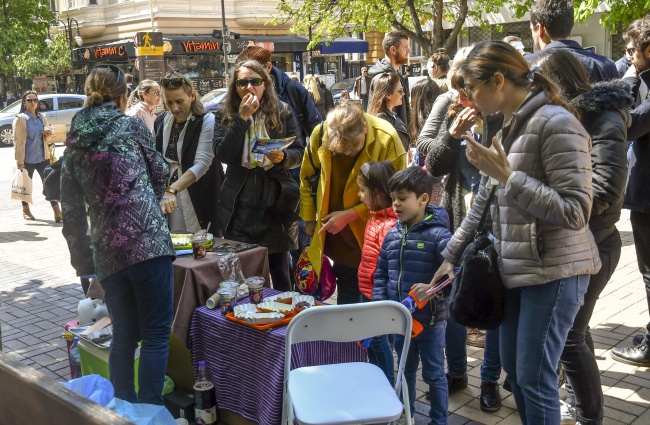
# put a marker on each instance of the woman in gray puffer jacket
(540, 219)
(604, 114)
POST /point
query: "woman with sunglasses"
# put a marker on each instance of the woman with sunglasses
(183, 135)
(142, 102)
(542, 202)
(387, 95)
(113, 178)
(336, 217)
(31, 147)
(259, 198)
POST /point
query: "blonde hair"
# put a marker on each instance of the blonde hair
(103, 85)
(460, 57)
(188, 88)
(345, 123)
(312, 87)
(136, 95)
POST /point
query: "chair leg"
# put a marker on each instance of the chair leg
(407, 403)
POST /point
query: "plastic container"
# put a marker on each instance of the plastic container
(94, 360)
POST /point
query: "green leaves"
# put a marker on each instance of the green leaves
(39, 59)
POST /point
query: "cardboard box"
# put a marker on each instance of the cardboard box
(94, 360)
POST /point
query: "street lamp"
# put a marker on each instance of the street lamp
(68, 36)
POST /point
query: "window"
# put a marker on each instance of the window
(45, 105)
(70, 103)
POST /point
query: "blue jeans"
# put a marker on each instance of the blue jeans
(456, 349)
(429, 348)
(140, 302)
(534, 330)
(380, 353)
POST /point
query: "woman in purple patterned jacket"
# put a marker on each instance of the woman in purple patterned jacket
(113, 175)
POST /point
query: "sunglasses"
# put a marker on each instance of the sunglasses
(255, 82)
(173, 82)
(31, 100)
(114, 69)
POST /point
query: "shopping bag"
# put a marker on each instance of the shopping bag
(142, 413)
(309, 282)
(94, 387)
(21, 186)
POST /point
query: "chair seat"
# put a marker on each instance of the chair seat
(343, 393)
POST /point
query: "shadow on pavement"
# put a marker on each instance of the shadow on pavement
(8, 237)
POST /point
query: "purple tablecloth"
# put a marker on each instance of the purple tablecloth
(246, 365)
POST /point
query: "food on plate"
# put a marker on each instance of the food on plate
(302, 304)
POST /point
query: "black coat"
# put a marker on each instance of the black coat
(205, 190)
(637, 194)
(605, 116)
(399, 125)
(403, 111)
(251, 200)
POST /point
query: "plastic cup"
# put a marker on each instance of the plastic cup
(255, 288)
(227, 300)
(213, 302)
(198, 247)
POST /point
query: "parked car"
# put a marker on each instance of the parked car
(59, 109)
(211, 100)
(337, 88)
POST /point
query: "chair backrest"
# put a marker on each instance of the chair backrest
(350, 322)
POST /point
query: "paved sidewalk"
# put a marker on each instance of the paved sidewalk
(39, 292)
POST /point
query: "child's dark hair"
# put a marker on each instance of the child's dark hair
(375, 176)
(412, 179)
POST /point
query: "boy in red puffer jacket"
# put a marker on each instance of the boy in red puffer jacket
(373, 192)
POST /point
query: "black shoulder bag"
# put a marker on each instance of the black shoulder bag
(478, 296)
(313, 180)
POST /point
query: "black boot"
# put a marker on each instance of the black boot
(637, 356)
(456, 383)
(490, 396)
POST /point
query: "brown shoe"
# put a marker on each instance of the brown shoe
(27, 214)
(476, 338)
(58, 217)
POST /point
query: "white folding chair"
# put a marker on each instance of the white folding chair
(345, 393)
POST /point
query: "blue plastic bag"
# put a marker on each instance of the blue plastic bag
(142, 414)
(94, 387)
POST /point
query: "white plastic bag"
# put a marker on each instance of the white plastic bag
(21, 186)
(96, 388)
(142, 413)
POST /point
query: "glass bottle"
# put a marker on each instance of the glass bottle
(205, 401)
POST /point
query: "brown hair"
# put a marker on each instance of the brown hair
(375, 176)
(441, 60)
(344, 122)
(393, 38)
(489, 57)
(188, 88)
(103, 85)
(136, 95)
(562, 67)
(423, 94)
(268, 103)
(556, 16)
(22, 104)
(384, 86)
(638, 32)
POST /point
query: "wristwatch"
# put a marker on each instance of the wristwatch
(172, 190)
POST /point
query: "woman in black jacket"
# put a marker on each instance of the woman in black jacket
(604, 114)
(259, 199)
(387, 95)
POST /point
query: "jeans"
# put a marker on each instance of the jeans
(641, 232)
(140, 301)
(380, 353)
(40, 169)
(279, 271)
(456, 349)
(347, 284)
(534, 330)
(303, 240)
(427, 347)
(578, 359)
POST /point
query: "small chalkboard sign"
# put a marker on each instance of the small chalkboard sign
(206, 85)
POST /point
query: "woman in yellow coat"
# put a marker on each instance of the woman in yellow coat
(336, 219)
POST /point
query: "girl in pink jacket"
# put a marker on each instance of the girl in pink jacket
(373, 192)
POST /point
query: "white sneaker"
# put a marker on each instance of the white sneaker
(567, 414)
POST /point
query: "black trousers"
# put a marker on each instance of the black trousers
(641, 231)
(279, 269)
(347, 284)
(40, 169)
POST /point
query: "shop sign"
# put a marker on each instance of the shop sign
(192, 46)
(149, 43)
(104, 53)
(268, 45)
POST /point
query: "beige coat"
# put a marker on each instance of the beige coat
(20, 137)
(540, 219)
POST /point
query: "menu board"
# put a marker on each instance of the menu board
(206, 85)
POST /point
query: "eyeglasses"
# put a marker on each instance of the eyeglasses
(467, 90)
(255, 82)
(157, 93)
(173, 82)
(114, 69)
(31, 100)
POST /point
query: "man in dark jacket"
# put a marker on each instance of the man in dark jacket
(551, 22)
(396, 48)
(362, 87)
(637, 195)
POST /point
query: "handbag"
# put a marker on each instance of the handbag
(52, 181)
(478, 296)
(21, 186)
(312, 181)
(309, 283)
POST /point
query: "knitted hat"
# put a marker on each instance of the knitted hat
(255, 53)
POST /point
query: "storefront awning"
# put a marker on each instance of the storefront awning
(280, 43)
(344, 45)
(113, 51)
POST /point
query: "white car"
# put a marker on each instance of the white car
(59, 109)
